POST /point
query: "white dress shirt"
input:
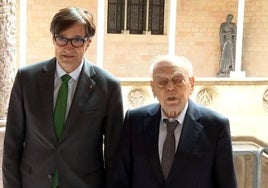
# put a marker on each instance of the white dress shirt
(71, 84)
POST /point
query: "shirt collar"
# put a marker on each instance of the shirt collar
(74, 74)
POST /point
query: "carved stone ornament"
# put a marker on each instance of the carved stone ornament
(206, 96)
(265, 100)
(137, 97)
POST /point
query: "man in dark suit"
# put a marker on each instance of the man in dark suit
(36, 155)
(200, 155)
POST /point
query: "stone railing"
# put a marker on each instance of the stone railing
(251, 162)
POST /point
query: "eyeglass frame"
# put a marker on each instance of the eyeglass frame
(83, 40)
(176, 80)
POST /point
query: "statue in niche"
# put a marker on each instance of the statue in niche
(227, 44)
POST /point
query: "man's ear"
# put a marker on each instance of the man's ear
(88, 43)
(191, 80)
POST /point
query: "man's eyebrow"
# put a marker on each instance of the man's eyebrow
(76, 36)
(161, 76)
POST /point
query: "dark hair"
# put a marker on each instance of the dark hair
(67, 17)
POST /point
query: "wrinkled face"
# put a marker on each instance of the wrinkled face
(172, 86)
(68, 56)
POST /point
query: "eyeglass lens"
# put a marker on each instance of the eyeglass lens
(63, 41)
(163, 82)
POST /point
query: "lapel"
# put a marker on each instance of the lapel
(84, 89)
(191, 129)
(190, 134)
(150, 135)
(45, 95)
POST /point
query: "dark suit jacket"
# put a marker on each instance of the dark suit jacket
(31, 150)
(203, 158)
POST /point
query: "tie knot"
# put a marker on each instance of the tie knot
(65, 78)
(171, 125)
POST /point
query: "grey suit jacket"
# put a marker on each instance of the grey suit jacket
(203, 158)
(31, 150)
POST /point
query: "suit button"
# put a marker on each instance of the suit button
(49, 176)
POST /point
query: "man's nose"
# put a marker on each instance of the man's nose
(170, 85)
(69, 44)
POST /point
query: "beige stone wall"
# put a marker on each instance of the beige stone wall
(244, 102)
(255, 50)
(39, 16)
(197, 37)
(198, 29)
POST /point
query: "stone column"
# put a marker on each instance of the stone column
(238, 73)
(7, 52)
(172, 27)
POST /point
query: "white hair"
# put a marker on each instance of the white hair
(179, 61)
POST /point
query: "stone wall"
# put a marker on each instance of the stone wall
(7, 52)
(197, 36)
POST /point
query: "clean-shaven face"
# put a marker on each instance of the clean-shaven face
(68, 56)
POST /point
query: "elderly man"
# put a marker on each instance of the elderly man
(174, 143)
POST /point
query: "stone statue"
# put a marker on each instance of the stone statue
(227, 44)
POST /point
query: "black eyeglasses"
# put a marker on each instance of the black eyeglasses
(76, 42)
